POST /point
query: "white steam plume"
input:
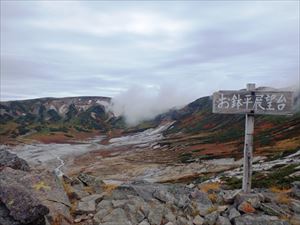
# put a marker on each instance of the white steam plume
(140, 103)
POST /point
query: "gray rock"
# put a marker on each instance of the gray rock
(23, 206)
(100, 215)
(122, 192)
(202, 202)
(229, 195)
(86, 218)
(138, 209)
(182, 201)
(156, 214)
(169, 216)
(222, 208)
(116, 223)
(164, 196)
(45, 186)
(269, 196)
(233, 213)
(210, 219)
(169, 223)
(222, 221)
(85, 207)
(77, 193)
(134, 214)
(295, 219)
(8, 159)
(258, 220)
(198, 220)
(191, 185)
(87, 179)
(95, 198)
(181, 195)
(145, 208)
(253, 199)
(119, 203)
(117, 215)
(88, 204)
(295, 205)
(142, 189)
(296, 189)
(181, 221)
(104, 204)
(246, 207)
(295, 174)
(95, 182)
(272, 209)
(5, 218)
(145, 222)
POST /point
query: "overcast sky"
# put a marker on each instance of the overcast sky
(192, 49)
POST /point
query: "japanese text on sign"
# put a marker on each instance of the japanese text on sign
(257, 102)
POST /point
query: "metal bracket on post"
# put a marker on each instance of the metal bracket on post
(248, 147)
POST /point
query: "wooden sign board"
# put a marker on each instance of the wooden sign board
(253, 102)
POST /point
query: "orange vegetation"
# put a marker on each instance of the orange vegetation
(209, 186)
(60, 137)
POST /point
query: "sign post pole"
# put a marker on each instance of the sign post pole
(248, 147)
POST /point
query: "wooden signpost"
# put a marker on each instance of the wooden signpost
(252, 102)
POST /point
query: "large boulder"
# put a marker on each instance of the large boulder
(88, 204)
(45, 187)
(253, 199)
(91, 181)
(272, 209)
(258, 220)
(233, 213)
(296, 189)
(223, 221)
(8, 159)
(211, 218)
(5, 218)
(21, 204)
(202, 202)
(229, 195)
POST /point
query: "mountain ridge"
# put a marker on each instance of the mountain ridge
(195, 132)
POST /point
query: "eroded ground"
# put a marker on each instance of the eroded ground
(146, 155)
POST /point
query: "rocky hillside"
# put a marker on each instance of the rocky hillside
(201, 133)
(38, 197)
(60, 117)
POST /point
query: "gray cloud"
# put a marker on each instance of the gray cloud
(174, 52)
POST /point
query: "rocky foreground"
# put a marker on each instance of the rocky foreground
(38, 197)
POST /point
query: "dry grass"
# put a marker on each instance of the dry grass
(110, 187)
(60, 219)
(213, 197)
(68, 189)
(275, 189)
(288, 143)
(57, 221)
(89, 189)
(283, 198)
(209, 186)
(70, 194)
(212, 209)
(282, 195)
(285, 218)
